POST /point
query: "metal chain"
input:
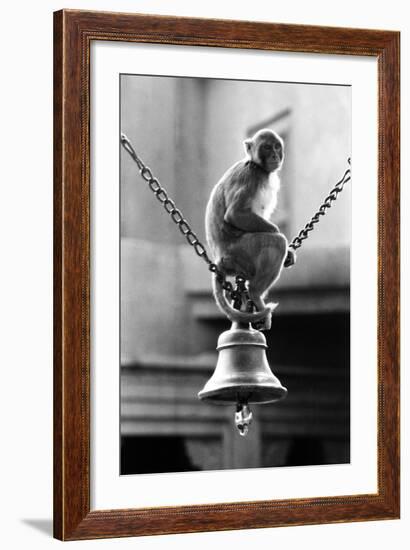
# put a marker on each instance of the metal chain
(327, 203)
(177, 217)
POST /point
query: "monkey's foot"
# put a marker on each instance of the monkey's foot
(266, 323)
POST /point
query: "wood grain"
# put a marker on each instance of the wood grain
(73, 33)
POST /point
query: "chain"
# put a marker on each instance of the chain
(327, 203)
(177, 217)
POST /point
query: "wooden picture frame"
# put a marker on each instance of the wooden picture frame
(74, 32)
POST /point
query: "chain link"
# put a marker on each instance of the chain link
(177, 217)
(192, 239)
(327, 203)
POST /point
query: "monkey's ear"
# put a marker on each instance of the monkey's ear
(248, 144)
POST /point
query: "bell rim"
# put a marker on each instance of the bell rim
(273, 394)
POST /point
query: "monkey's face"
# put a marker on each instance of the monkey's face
(270, 152)
(266, 149)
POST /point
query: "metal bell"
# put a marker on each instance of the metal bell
(242, 374)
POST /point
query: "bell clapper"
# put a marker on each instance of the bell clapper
(243, 418)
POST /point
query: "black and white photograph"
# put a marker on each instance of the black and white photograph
(204, 275)
(235, 228)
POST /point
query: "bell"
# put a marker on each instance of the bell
(242, 374)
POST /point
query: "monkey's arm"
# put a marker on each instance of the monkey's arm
(240, 214)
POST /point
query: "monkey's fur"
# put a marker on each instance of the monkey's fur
(242, 239)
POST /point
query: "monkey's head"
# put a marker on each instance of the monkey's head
(266, 149)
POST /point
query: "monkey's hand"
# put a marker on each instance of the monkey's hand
(290, 258)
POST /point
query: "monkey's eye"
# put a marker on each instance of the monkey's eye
(278, 146)
(266, 146)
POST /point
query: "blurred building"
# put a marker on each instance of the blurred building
(189, 131)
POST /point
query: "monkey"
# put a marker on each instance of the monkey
(240, 235)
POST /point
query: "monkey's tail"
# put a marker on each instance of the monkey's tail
(232, 313)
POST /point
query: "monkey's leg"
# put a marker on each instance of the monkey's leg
(269, 252)
(236, 261)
